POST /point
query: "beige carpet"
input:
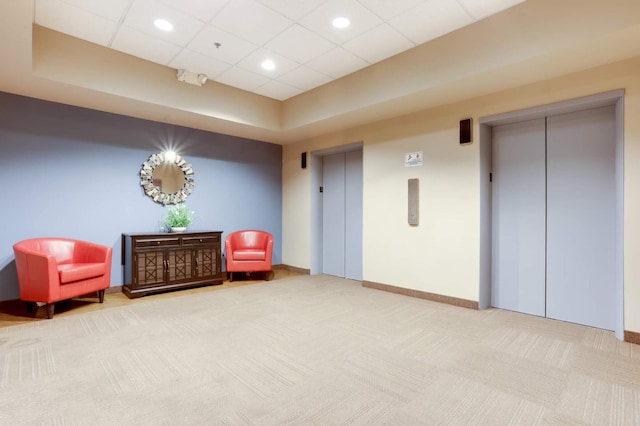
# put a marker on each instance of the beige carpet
(312, 351)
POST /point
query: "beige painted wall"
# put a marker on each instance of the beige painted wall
(441, 255)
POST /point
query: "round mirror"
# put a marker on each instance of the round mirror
(167, 178)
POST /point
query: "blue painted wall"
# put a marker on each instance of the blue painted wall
(73, 172)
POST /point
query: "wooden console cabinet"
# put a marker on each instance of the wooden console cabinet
(156, 262)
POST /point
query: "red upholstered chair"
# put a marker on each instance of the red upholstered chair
(55, 269)
(249, 251)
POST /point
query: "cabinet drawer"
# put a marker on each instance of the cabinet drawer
(157, 242)
(203, 239)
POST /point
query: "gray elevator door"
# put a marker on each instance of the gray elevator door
(342, 215)
(554, 200)
(518, 193)
(333, 214)
(581, 221)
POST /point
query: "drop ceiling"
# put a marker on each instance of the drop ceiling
(227, 40)
(469, 57)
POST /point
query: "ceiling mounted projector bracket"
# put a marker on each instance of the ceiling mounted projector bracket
(191, 77)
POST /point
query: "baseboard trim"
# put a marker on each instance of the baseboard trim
(463, 303)
(114, 289)
(292, 269)
(632, 337)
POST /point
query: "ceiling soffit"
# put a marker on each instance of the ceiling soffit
(517, 46)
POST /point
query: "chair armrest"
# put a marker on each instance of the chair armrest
(228, 251)
(269, 253)
(38, 276)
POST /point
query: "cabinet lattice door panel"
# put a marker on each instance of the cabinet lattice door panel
(207, 262)
(150, 267)
(179, 265)
(160, 262)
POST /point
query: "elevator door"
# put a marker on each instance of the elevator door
(554, 217)
(519, 204)
(581, 207)
(342, 215)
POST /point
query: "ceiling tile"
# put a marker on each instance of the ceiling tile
(293, 9)
(276, 90)
(232, 49)
(378, 44)
(388, 9)
(144, 12)
(304, 78)
(199, 64)
(204, 10)
(144, 46)
(361, 18)
(253, 63)
(228, 39)
(242, 79)
(431, 20)
(337, 63)
(73, 21)
(251, 21)
(484, 8)
(112, 9)
(299, 44)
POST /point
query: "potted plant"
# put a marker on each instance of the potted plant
(178, 218)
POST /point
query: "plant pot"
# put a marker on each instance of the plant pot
(178, 228)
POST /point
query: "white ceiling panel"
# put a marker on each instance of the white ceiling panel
(319, 21)
(387, 9)
(304, 78)
(144, 12)
(378, 44)
(299, 44)
(232, 49)
(337, 63)
(112, 9)
(242, 79)
(251, 21)
(431, 20)
(292, 9)
(204, 10)
(484, 8)
(253, 63)
(144, 46)
(74, 21)
(199, 64)
(229, 39)
(277, 90)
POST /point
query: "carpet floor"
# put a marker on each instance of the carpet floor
(312, 350)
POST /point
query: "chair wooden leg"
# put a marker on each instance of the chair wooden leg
(101, 295)
(230, 276)
(31, 307)
(267, 275)
(50, 308)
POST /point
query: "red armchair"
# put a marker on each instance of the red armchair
(55, 269)
(249, 251)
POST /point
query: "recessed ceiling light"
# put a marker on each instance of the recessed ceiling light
(163, 24)
(268, 64)
(341, 22)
